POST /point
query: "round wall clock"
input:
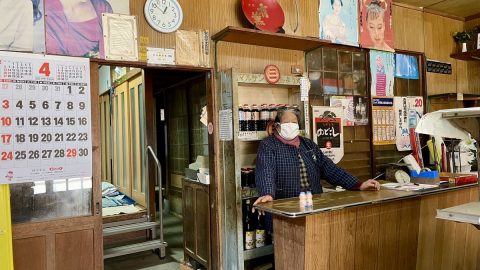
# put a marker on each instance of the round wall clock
(165, 16)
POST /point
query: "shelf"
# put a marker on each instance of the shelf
(257, 252)
(266, 39)
(467, 56)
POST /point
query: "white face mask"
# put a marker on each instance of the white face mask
(289, 131)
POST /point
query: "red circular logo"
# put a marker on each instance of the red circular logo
(272, 74)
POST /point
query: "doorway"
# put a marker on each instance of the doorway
(161, 109)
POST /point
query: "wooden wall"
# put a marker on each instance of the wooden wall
(473, 67)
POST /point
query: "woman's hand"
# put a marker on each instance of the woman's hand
(370, 185)
(263, 199)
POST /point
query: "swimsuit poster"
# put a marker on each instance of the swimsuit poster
(328, 131)
(383, 125)
(345, 102)
(408, 111)
(74, 28)
(376, 29)
(22, 26)
(338, 21)
(382, 69)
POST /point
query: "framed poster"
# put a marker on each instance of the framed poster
(338, 21)
(408, 111)
(383, 122)
(45, 118)
(328, 131)
(376, 24)
(382, 70)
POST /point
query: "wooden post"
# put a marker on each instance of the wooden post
(6, 250)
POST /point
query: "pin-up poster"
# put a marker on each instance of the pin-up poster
(382, 70)
(328, 132)
(376, 24)
(383, 117)
(338, 21)
(346, 102)
(75, 28)
(22, 27)
(408, 111)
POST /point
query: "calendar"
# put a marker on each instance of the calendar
(45, 118)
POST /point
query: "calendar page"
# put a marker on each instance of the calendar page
(45, 118)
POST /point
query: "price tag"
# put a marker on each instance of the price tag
(45, 118)
(304, 88)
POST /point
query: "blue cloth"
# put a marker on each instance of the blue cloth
(278, 172)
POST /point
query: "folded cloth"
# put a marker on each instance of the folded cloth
(109, 190)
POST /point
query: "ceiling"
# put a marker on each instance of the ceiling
(459, 8)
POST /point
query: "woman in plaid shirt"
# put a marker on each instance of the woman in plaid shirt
(288, 164)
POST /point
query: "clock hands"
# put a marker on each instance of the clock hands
(165, 10)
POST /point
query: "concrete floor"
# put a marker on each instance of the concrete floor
(173, 235)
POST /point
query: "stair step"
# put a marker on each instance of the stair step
(133, 248)
(129, 228)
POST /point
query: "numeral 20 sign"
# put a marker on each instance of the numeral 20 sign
(45, 118)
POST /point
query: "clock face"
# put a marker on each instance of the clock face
(402, 177)
(163, 15)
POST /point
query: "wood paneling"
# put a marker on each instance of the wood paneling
(439, 44)
(74, 250)
(461, 8)
(30, 253)
(408, 29)
(289, 243)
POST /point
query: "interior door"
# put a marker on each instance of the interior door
(57, 224)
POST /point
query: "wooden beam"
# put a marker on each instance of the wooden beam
(407, 6)
(472, 17)
(443, 14)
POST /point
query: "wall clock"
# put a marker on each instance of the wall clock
(165, 16)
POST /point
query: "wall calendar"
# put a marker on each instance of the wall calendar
(45, 118)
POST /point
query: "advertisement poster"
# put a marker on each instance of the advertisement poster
(360, 110)
(382, 69)
(376, 24)
(45, 118)
(408, 111)
(328, 132)
(406, 66)
(74, 28)
(383, 117)
(22, 27)
(346, 102)
(338, 21)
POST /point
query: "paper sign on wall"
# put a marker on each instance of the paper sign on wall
(408, 111)
(345, 102)
(328, 131)
(383, 121)
(45, 118)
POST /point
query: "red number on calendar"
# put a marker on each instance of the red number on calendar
(6, 121)
(71, 152)
(7, 155)
(45, 69)
(418, 102)
(5, 104)
(6, 138)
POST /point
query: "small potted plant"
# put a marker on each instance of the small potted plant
(462, 38)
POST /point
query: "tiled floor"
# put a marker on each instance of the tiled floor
(173, 235)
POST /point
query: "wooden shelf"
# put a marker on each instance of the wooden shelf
(467, 56)
(266, 39)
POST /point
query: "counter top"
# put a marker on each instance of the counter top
(344, 199)
(467, 213)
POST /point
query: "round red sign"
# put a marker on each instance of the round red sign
(272, 74)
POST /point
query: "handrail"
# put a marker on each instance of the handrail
(160, 195)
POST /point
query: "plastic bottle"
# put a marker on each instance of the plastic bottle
(309, 199)
(302, 199)
(256, 117)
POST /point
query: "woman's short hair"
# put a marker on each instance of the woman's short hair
(333, 2)
(375, 10)
(284, 109)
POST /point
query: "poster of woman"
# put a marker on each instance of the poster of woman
(74, 27)
(376, 24)
(382, 70)
(22, 27)
(338, 21)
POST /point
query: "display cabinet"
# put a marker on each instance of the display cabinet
(238, 149)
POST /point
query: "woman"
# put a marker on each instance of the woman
(288, 164)
(74, 27)
(333, 27)
(375, 19)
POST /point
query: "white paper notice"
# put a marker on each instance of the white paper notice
(120, 37)
(408, 111)
(226, 125)
(45, 118)
(304, 88)
(160, 56)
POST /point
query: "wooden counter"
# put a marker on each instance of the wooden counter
(375, 230)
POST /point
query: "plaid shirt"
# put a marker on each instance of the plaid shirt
(278, 170)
